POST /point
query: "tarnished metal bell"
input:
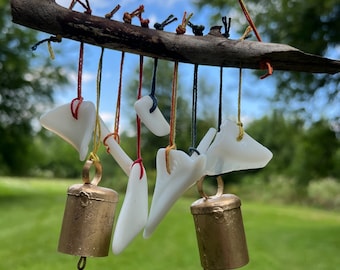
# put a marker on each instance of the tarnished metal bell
(219, 230)
(88, 217)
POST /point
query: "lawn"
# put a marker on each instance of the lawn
(279, 237)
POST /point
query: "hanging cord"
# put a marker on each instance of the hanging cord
(250, 21)
(115, 133)
(79, 99)
(219, 121)
(153, 87)
(239, 123)
(97, 133)
(109, 16)
(193, 149)
(172, 135)
(119, 97)
(56, 38)
(265, 64)
(138, 121)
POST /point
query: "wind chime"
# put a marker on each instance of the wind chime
(90, 209)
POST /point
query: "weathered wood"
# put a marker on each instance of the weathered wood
(212, 49)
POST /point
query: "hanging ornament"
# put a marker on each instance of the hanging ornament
(75, 121)
(134, 212)
(176, 170)
(148, 111)
(232, 148)
(111, 140)
(219, 229)
(77, 132)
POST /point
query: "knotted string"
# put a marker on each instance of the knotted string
(181, 29)
(138, 121)
(172, 135)
(239, 123)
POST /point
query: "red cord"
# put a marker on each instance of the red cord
(79, 98)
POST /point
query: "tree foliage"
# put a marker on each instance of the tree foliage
(26, 84)
(312, 26)
(299, 152)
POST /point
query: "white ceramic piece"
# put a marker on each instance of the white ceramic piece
(154, 121)
(77, 132)
(204, 144)
(185, 170)
(226, 154)
(134, 212)
(123, 160)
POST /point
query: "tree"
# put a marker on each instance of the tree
(311, 26)
(300, 152)
(26, 86)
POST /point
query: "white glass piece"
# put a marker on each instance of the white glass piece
(134, 212)
(185, 170)
(123, 160)
(154, 121)
(227, 154)
(77, 132)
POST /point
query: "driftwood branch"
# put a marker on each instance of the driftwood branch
(213, 49)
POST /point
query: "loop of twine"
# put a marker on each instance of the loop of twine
(194, 112)
(115, 136)
(167, 157)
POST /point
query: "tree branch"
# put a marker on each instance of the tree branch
(213, 49)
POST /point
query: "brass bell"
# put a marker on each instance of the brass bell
(88, 217)
(219, 230)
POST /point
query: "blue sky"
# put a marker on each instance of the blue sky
(254, 92)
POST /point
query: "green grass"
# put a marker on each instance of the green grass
(279, 237)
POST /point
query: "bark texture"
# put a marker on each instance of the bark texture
(212, 49)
